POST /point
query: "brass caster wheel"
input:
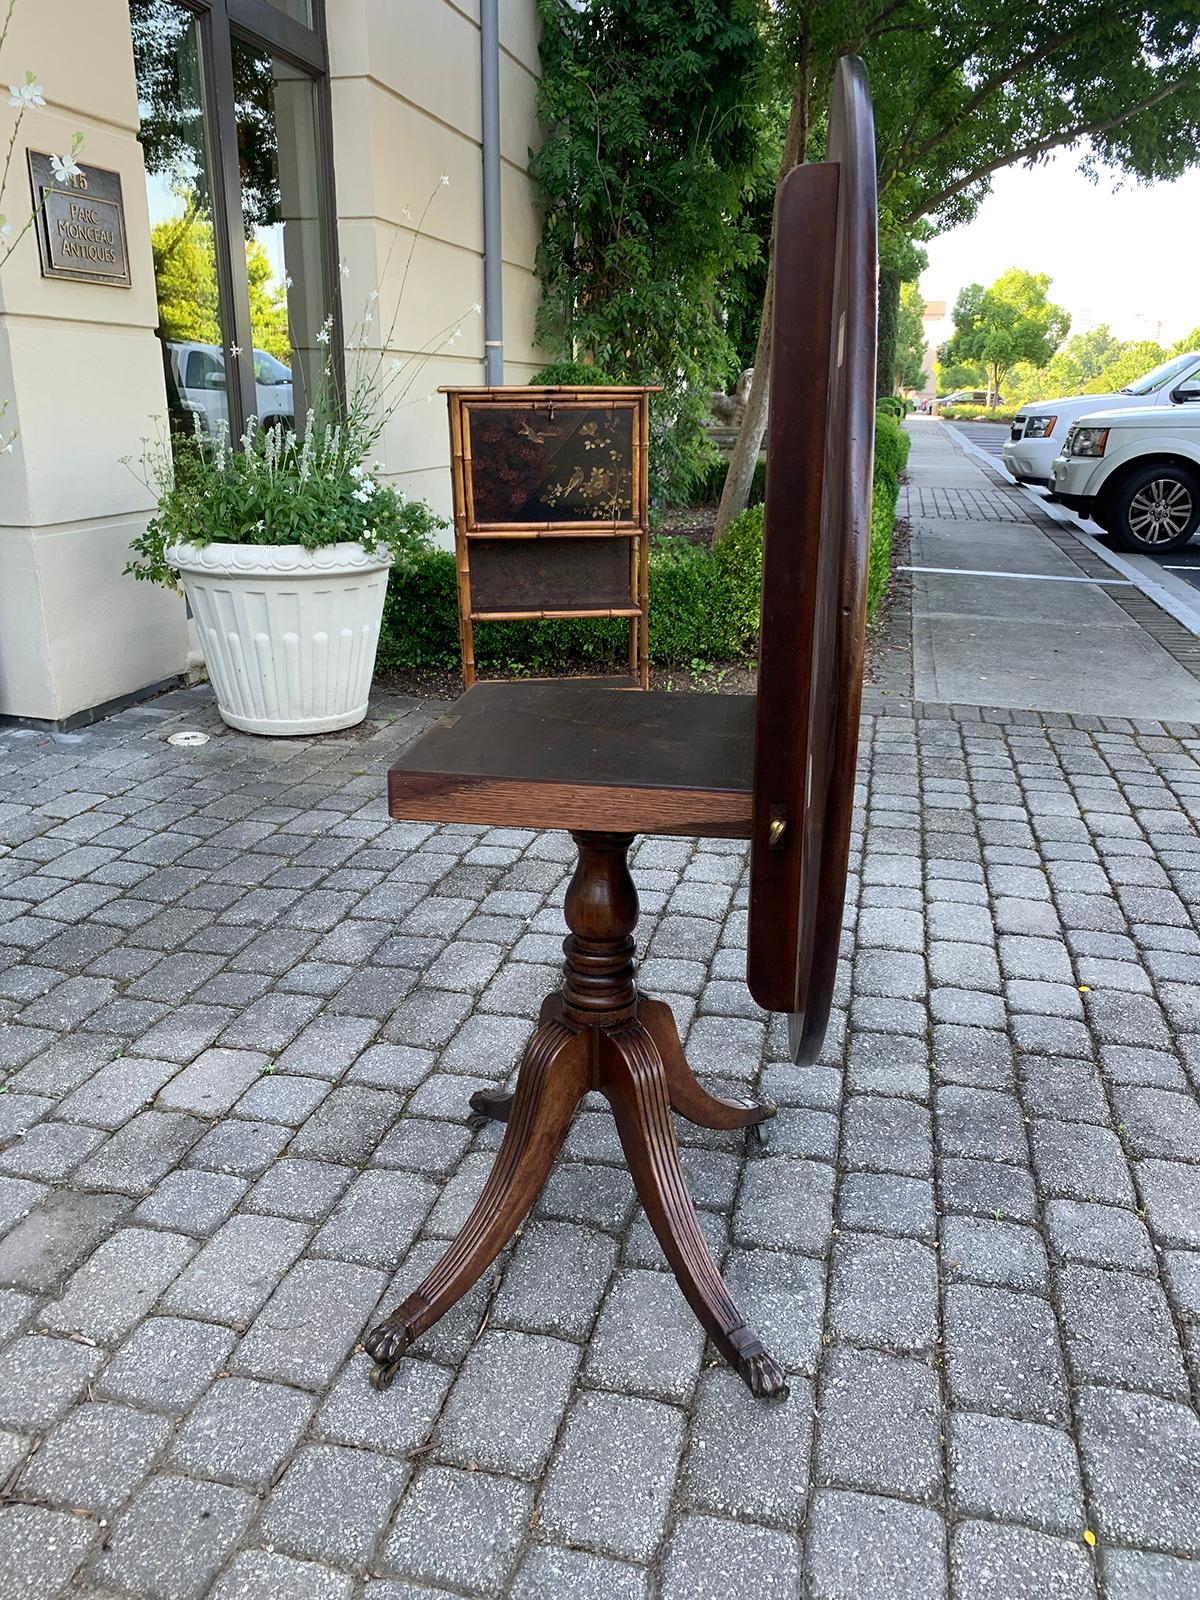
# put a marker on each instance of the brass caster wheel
(382, 1374)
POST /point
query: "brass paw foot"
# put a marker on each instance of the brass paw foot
(763, 1376)
(489, 1105)
(386, 1342)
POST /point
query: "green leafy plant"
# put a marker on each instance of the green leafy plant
(1010, 322)
(965, 88)
(572, 374)
(274, 490)
(738, 560)
(652, 118)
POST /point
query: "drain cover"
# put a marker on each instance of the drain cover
(188, 736)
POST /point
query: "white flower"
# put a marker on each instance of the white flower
(26, 96)
(7, 449)
(5, 226)
(476, 308)
(372, 297)
(235, 349)
(287, 280)
(344, 268)
(405, 214)
(445, 180)
(64, 167)
(397, 364)
(323, 333)
(358, 471)
(458, 333)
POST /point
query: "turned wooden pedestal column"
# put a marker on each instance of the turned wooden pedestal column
(597, 1032)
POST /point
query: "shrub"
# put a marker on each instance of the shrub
(691, 617)
(689, 606)
(738, 560)
(891, 404)
(571, 375)
(976, 414)
(420, 613)
(891, 452)
(879, 557)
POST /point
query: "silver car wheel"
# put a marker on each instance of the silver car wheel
(1160, 511)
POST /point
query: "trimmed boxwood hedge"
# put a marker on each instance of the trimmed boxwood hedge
(704, 604)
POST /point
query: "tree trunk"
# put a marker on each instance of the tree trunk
(742, 462)
(885, 344)
(740, 476)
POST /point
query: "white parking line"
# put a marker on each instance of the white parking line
(1029, 577)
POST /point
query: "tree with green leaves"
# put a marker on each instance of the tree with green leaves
(1130, 360)
(909, 370)
(1012, 321)
(964, 88)
(653, 113)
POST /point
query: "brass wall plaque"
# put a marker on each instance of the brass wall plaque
(80, 223)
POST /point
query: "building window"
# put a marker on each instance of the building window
(234, 108)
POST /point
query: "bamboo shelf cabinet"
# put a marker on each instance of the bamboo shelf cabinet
(551, 508)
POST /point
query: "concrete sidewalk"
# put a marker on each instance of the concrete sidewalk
(1010, 610)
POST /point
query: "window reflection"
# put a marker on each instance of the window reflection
(281, 213)
(298, 10)
(166, 46)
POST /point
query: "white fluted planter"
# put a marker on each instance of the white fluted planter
(289, 635)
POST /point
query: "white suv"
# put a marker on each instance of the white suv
(196, 385)
(1040, 428)
(1136, 473)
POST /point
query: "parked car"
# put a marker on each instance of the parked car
(1040, 427)
(970, 397)
(1136, 472)
(196, 385)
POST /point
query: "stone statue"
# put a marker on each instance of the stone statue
(728, 408)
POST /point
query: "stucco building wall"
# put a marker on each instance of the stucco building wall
(81, 364)
(81, 368)
(406, 111)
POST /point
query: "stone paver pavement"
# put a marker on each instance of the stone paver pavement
(242, 1017)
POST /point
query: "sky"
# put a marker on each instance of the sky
(1124, 256)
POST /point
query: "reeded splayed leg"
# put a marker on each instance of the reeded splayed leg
(633, 1079)
(686, 1093)
(495, 1105)
(555, 1073)
(597, 1033)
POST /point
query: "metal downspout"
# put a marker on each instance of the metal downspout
(493, 309)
